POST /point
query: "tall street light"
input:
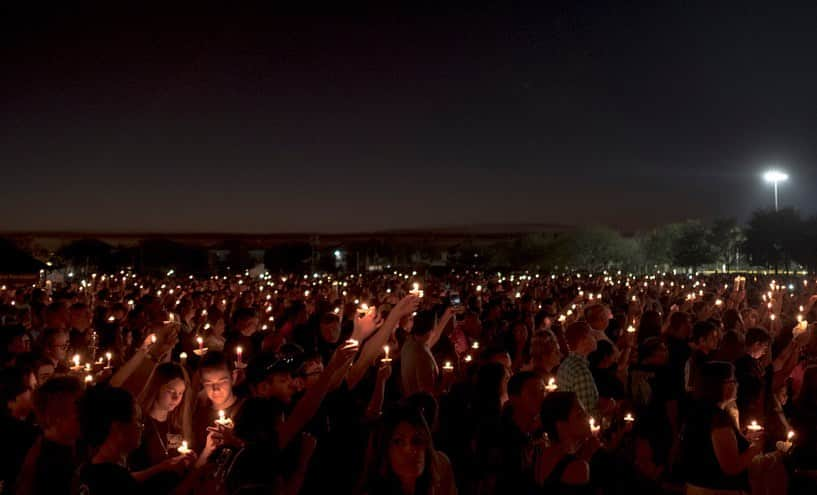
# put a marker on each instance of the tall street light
(775, 177)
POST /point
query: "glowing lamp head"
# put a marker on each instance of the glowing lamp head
(775, 176)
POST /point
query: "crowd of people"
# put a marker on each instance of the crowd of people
(407, 383)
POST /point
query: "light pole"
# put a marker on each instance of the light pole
(775, 177)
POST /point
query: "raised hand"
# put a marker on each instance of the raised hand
(383, 373)
(343, 357)
(406, 306)
(366, 324)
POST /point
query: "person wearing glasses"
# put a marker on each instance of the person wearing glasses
(55, 348)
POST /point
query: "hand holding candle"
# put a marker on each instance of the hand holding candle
(786, 446)
(77, 367)
(223, 420)
(239, 363)
(754, 431)
(184, 449)
(201, 351)
(594, 428)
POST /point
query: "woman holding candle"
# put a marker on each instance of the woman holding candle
(715, 455)
(167, 401)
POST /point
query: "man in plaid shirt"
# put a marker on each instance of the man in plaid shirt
(574, 372)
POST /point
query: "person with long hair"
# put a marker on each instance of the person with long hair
(166, 402)
(562, 468)
(404, 461)
(715, 455)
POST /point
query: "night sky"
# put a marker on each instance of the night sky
(261, 120)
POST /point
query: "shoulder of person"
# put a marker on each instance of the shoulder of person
(721, 419)
(577, 473)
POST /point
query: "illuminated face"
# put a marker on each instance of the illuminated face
(170, 395)
(407, 451)
(218, 384)
(58, 349)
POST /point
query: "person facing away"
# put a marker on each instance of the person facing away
(50, 463)
(574, 373)
(418, 367)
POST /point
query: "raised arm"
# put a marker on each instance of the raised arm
(147, 356)
(309, 404)
(374, 345)
(440, 328)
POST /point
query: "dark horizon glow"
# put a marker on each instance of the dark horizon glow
(254, 121)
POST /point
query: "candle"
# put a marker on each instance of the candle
(87, 366)
(448, 366)
(184, 449)
(386, 359)
(551, 386)
(75, 359)
(562, 318)
(468, 358)
(108, 355)
(238, 352)
(183, 358)
(475, 345)
(718, 302)
(630, 329)
(787, 445)
(223, 420)
(111, 319)
(629, 418)
(153, 338)
(352, 342)
(89, 379)
(594, 428)
(754, 427)
(201, 351)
